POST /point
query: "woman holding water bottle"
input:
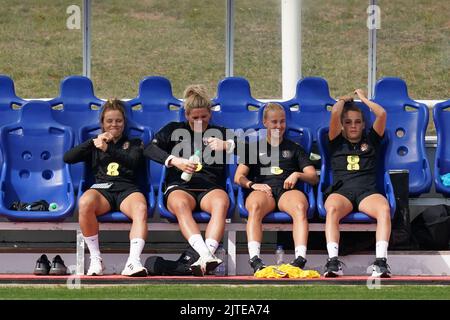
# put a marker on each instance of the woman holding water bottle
(194, 182)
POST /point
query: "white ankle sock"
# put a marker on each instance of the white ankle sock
(254, 248)
(196, 242)
(300, 251)
(333, 249)
(93, 246)
(136, 247)
(381, 249)
(212, 245)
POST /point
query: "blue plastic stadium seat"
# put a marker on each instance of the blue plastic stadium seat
(238, 109)
(33, 167)
(304, 138)
(407, 122)
(199, 216)
(8, 98)
(79, 108)
(158, 108)
(309, 107)
(441, 115)
(133, 130)
(326, 179)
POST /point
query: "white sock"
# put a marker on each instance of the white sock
(93, 246)
(254, 248)
(381, 249)
(196, 242)
(333, 249)
(300, 251)
(212, 245)
(136, 247)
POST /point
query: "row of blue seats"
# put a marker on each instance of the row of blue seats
(234, 98)
(155, 106)
(33, 169)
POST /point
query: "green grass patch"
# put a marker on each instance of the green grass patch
(234, 292)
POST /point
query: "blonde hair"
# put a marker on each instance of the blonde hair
(272, 106)
(113, 104)
(196, 96)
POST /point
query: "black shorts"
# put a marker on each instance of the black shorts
(197, 194)
(115, 198)
(355, 196)
(277, 193)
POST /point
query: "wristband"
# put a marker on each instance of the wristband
(251, 185)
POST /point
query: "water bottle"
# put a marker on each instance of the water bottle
(53, 206)
(221, 270)
(194, 158)
(279, 255)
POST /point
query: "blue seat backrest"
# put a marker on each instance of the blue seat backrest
(80, 106)
(8, 98)
(77, 107)
(441, 116)
(238, 109)
(34, 168)
(407, 121)
(158, 107)
(310, 106)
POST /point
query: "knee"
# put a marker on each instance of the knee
(221, 205)
(86, 206)
(140, 212)
(332, 212)
(384, 214)
(180, 206)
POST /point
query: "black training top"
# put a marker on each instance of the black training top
(178, 139)
(118, 164)
(273, 165)
(355, 163)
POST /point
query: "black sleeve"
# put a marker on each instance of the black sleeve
(302, 158)
(335, 141)
(159, 148)
(82, 152)
(131, 157)
(374, 137)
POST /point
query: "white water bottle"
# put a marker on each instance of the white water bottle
(279, 255)
(221, 270)
(194, 158)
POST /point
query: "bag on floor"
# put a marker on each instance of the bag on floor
(431, 228)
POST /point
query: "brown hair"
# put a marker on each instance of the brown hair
(272, 106)
(351, 106)
(113, 104)
(196, 96)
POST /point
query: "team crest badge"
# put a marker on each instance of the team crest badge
(364, 147)
(286, 154)
(126, 145)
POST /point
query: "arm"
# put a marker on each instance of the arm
(307, 175)
(241, 179)
(379, 124)
(335, 120)
(158, 150)
(82, 152)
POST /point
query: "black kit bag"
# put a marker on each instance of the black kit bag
(40, 205)
(401, 238)
(431, 228)
(158, 266)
